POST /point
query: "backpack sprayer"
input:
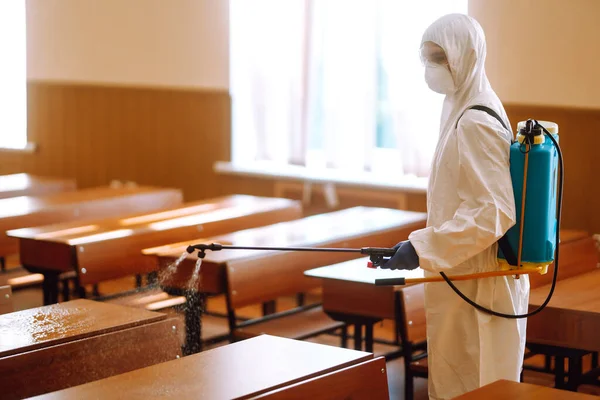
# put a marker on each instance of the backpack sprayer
(535, 162)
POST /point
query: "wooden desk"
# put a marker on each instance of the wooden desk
(356, 283)
(228, 372)
(30, 185)
(351, 228)
(572, 318)
(101, 202)
(111, 248)
(57, 346)
(350, 294)
(502, 389)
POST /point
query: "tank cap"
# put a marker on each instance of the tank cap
(551, 127)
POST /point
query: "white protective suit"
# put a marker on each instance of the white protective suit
(470, 205)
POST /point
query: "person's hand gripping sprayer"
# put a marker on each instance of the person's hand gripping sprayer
(470, 206)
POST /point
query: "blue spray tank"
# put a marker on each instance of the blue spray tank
(534, 169)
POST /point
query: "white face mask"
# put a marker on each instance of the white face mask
(439, 79)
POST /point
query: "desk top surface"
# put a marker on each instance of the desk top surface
(40, 327)
(190, 214)
(27, 185)
(248, 367)
(579, 293)
(503, 389)
(25, 205)
(356, 271)
(315, 230)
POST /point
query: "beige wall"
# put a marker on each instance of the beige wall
(542, 51)
(181, 43)
(184, 43)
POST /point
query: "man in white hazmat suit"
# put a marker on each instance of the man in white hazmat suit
(470, 205)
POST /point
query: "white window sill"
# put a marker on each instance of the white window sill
(29, 148)
(367, 180)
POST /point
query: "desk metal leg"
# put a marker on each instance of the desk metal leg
(66, 290)
(547, 363)
(358, 336)
(193, 322)
(50, 288)
(344, 337)
(369, 338)
(269, 307)
(559, 372)
(80, 289)
(575, 372)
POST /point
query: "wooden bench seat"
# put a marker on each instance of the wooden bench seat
(299, 325)
(151, 300)
(420, 366)
(15, 185)
(19, 278)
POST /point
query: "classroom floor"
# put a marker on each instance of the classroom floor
(212, 326)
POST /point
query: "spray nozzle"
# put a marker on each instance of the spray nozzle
(203, 247)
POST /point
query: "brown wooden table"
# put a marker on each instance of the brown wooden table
(54, 347)
(350, 295)
(350, 228)
(100, 250)
(81, 205)
(31, 185)
(242, 370)
(569, 326)
(504, 389)
(572, 318)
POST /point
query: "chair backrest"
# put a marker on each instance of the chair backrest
(6, 302)
(578, 255)
(260, 280)
(412, 303)
(367, 380)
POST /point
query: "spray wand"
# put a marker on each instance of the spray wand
(377, 255)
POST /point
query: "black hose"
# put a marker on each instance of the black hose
(556, 251)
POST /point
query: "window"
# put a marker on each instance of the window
(334, 84)
(13, 71)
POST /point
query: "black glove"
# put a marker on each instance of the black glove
(405, 257)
